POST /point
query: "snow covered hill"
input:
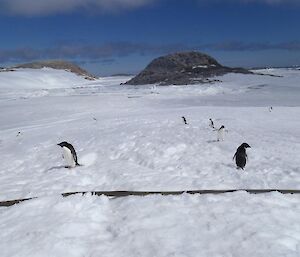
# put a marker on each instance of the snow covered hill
(133, 138)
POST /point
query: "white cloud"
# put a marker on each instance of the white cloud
(47, 7)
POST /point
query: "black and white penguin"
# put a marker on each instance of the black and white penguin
(184, 120)
(69, 154)
(270, 109)
(241, 156)
(211, 123)
(153, 89)
(220, 131)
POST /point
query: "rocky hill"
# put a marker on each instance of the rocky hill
(182, 69)
(59, 65)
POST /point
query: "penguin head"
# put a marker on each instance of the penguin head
(245, 145)
(222, 127)
(62, 144)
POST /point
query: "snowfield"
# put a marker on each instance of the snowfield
(133, 138)
(190, 225)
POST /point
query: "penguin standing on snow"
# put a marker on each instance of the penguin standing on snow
(211, 123)
(184, 120)
(153, 89)
(241, 156)
(270, 109)
(220, 131)
(69, 154)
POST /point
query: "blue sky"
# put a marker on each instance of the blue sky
(123, 36)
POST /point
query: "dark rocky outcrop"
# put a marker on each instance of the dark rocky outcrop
(59, 65)
(182, 69)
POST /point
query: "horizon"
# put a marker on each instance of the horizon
(111, 37)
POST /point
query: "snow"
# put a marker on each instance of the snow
(45, 78)
(201, 66)
(27, 83)
(133, 138)
(234, 224)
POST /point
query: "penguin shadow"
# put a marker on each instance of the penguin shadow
(232, 166)
(212, 141)
(59, 167)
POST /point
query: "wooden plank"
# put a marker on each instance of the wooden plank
(118, 194)
(13, 202)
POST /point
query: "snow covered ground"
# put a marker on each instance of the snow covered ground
(225, 225)
(133, 138)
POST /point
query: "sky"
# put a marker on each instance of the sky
(122, 36)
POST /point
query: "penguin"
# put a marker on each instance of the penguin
(270, 109)
(153, 89)
(220, 132)
(211, 123)
(241, 156)
(184, 120)
(69, 155)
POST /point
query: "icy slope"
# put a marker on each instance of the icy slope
(36, 82)
(45, 78)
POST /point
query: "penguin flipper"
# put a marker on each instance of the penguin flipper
(234, 156)
(73, 154)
